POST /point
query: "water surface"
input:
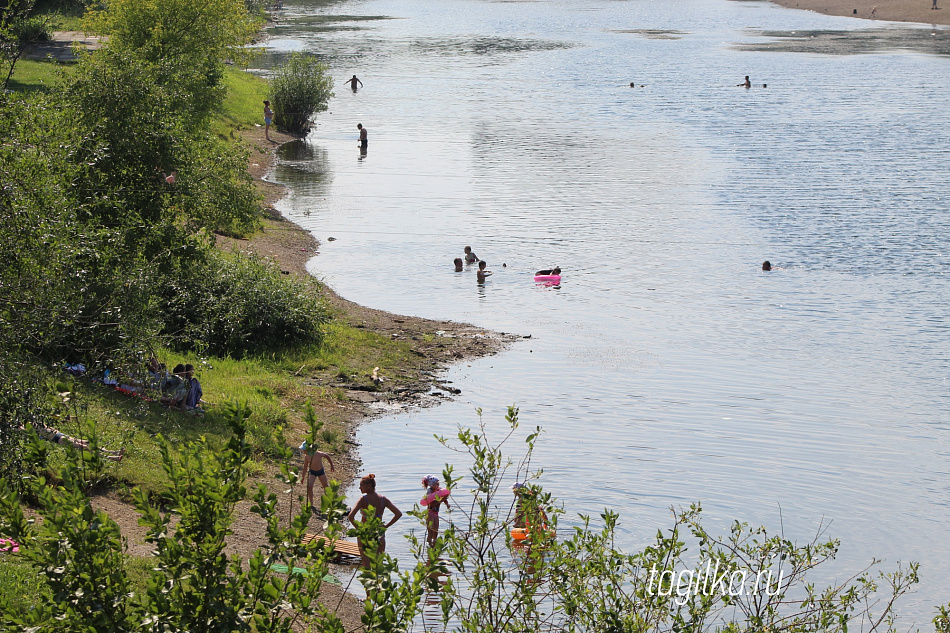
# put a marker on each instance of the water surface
(667, 368)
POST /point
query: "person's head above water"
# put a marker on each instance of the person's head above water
(766, 265)
(359, 126)
(468, 249)
(458, 263)
(482, 264)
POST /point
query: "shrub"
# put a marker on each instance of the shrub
(235, 304)
(34, 29)
(300, 89)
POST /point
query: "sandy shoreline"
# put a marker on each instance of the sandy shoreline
(884, 10)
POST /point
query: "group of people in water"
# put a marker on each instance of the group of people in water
(470, 257)
(482, 272)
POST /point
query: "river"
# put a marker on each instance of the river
(667, 367)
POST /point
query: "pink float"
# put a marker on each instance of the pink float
(439, 495)
(547, 279)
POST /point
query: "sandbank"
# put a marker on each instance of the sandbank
(886, 10)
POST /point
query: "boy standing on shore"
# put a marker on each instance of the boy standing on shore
(313, 463)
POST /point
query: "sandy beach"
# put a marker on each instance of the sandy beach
(884, 10)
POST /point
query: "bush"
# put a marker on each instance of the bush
(35, 29)
(299, 89)
(235, 304)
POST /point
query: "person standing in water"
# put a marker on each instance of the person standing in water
(434, 497)
(378, 503)
(353, 81)
(746, 83)
(481, 274)
(364, 141)
(470, 257)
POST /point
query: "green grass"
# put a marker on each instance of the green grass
(33, 76)
(276, 387)
(23, 584)
(243, 107)
(20, 582)
(64, 19)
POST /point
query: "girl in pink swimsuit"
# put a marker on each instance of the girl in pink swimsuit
(435, 497)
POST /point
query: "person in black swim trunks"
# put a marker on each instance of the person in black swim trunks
(313, 462)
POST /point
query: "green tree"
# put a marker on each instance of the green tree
(300, 89)
(186, 44)
(13, 15)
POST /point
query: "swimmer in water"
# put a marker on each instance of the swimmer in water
(458, 264)
(482, 273)
(766, 265)
(549, 271)
(470, 257)
(746, 83)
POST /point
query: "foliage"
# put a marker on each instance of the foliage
(688, 580)
(186, 44)
(193, 585)
(300, 89)
(88, 220)
(580, 583)
(34, 29)
(237, 304)
(24, 401)
(134, 133)
(14, 35)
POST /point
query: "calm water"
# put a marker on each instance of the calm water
(667, 368)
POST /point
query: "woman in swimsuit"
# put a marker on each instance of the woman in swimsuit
(379, 504)
(434, 498)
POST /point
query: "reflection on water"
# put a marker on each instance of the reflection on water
(667, 367)
(933, 41)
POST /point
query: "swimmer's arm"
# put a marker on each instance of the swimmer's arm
(356, 508)
(397, 513)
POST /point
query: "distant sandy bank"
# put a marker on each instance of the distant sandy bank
(887, 10)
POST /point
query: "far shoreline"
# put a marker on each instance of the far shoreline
(918, 11)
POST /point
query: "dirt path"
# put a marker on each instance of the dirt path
(62, 46)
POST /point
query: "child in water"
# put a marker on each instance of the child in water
(458, 264)
(549, 271)
(482, 273)
(435, 497)
(470, 257)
